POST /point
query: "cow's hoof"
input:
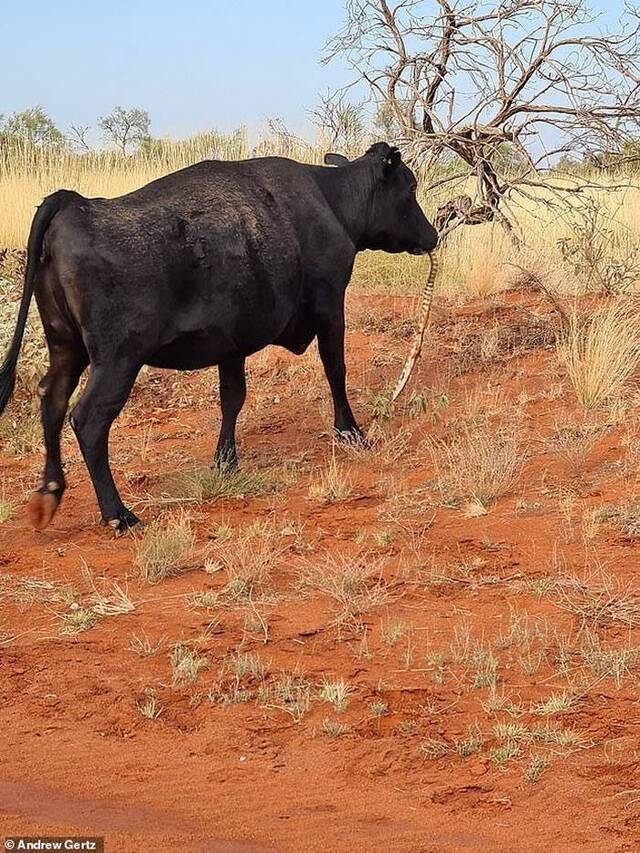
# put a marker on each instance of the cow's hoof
(124, 522)
(225, 465)
(352, 437)
(43, 505)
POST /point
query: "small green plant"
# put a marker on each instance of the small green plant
(501, 754)
(337, 693)
(78, 619)
(557, 736)
(432, 748)
(333, 729)
(290, 693)
(536, 767)
(486, 668)
(543, 586)
(393, 631)
(512, 731)
(470, 744)
(247, 665)
(406, 727)
(500, 702)
(149, 706)
(142, 645)
(378, 709)
(555, 704)
(186, 664)
(383, 407)
(248, 675)
(221, 533)
(383, 537)
(436, 660)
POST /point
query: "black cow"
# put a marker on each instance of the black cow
(202, 267)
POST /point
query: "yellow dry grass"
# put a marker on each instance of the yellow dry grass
(475, 262)
(601, 353)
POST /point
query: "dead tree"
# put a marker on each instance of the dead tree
(500, 89)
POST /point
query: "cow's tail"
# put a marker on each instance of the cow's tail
(41, 221)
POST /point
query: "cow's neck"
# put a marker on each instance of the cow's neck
(349, 190)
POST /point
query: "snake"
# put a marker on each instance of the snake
(425, 311)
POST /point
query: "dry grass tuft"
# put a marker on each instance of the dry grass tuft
(290, 692)
(250, 560)
(77, 619)
(149, 706)
(536, 767)
(575, 441)
(6, 510)
(607, 662)
(432, 748)
(333, 482)
(513, 334)
(164, 547)
(601, 353)
(602, 602)
(477, 464)
(555, 704)
(144, 646)
(186, 664)
(626, 517)
(356, 586)
(333, 729)
(205, 484)
(337, 693)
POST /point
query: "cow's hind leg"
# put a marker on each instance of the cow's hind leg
(106, 393)
(67, 363)
(233, 390)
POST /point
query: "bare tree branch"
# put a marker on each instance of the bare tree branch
(78, 136)
(508, 87)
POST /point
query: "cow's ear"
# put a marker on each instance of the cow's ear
(331, 159)
(393, 158)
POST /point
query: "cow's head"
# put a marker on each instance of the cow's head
(395, 221)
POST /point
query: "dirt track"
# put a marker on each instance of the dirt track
(458, 588)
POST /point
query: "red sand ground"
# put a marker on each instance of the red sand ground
(77, 756)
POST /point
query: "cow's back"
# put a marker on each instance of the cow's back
(208, 260)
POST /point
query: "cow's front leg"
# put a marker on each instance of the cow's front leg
(331, 347)
(102, 400)
(233, 390)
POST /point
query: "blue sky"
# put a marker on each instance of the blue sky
(192, 65)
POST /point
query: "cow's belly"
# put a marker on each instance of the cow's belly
(193, 349)
(191, 352)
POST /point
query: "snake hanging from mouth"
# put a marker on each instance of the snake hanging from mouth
(425, 310)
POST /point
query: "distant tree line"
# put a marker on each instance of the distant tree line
(346, 126)
(126, 129)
